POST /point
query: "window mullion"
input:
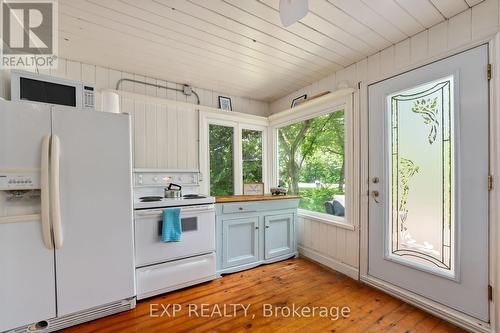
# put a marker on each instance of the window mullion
(238, 160)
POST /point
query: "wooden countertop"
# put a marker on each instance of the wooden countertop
(241, 198)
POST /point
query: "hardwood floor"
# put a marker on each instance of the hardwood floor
(283, 284)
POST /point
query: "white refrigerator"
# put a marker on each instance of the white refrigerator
(66, 230)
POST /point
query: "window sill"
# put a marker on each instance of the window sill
(319, 217)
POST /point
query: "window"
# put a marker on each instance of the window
(312, 162)
(221, 159)
(232, 152)
(251, 147)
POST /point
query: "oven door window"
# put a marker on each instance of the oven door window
(187, 224)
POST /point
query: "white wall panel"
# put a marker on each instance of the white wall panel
(387, 60)
(402, 54)
(329, 244)
(419, 45)
(484, 18)
(164, 136)
(459, 29)
(438, 39)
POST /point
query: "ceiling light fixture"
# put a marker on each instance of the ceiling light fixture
(292, 10)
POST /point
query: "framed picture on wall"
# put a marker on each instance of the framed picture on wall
(299, 100)
(253, 189)
(225, 103)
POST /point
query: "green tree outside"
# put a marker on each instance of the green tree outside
(312, 151)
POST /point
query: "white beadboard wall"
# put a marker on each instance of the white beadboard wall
(106, 78)
(338, 247)
(165, 136)
(328, 244)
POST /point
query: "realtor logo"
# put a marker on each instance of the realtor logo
(29, 34)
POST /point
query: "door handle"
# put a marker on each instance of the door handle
(45, 193)
(55, 207)
(375, 196)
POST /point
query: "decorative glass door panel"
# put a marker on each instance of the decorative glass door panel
(421, 227)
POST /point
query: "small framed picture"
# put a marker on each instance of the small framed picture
(225, 103)
(253, 189)
(299, 100)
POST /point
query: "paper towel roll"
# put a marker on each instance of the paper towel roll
(110, 102)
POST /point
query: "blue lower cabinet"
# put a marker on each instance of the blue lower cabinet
(250, 234)
(240, 241)
(279, 235)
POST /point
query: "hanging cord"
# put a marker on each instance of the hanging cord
(186, 89)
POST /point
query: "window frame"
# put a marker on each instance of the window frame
(238, 123)
(263, 129)
(305, 112)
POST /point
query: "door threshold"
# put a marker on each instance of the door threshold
(439, 310)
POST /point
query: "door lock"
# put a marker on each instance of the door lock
(375, 196)
(375, 180)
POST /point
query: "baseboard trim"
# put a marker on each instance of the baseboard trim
(336, 265)
(453, 316)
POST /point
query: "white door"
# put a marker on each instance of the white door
(428, 169)
(27, 282)
(278, 235)
(95, 264)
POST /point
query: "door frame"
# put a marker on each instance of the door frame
(437, 309)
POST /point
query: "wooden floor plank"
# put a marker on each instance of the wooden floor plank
(296, 282)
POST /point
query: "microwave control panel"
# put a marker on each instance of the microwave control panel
(19, 181)
(88, 97)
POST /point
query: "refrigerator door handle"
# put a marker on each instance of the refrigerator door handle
(45, 193)
(55, 199)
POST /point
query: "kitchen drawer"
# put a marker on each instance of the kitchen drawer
(162, 278)
(240, 207)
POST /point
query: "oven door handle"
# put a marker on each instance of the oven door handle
(200, 209)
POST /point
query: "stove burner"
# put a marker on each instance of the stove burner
(193, 196)
(150, 198)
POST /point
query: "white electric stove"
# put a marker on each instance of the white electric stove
(165, 266)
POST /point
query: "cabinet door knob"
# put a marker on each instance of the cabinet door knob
(257, 227)
(240, 208)
(267, 226)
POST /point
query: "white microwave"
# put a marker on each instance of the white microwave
(32, 87)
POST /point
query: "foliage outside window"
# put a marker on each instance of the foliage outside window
(312, 162)
(251, 144)
(221, 160)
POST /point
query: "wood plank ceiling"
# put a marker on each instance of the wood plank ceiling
(239, 46)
